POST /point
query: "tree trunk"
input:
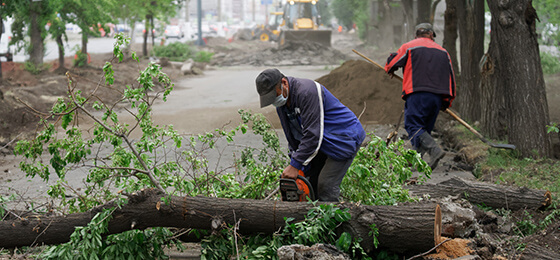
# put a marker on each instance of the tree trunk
(408, 12)
(36, 50)
(1, 32)
(372, 26)
(396, 232)
(433, 10)
(470, 15)
(518, 78)
(145, 43)
(450, 34)
(534, 251)
(492, 195)
(85, 40)
(60, 44)
(385, 25)
(152, 31)
(423, 9)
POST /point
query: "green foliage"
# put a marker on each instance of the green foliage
(526, 226)
(29, 66)
(552, 128)
(318, 227)
(178, 51)
(378, 172)
(3, 208)
(548, 19)
(203, 56)
(88, 242)
(550, 63)
(158, 157)
(344, 12)
(175, 51)
(81, 59)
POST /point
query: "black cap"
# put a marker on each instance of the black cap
(266, 83)
(423, 28)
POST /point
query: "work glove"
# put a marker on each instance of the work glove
(445, 104)
(391, 57)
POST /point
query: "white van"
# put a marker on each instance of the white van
(5, 52)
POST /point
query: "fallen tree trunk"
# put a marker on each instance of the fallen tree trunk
(492, 195)
(404, 229)
(534, 251)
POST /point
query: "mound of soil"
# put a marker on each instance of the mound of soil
(367, 90)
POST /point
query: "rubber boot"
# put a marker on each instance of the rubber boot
(428, 144)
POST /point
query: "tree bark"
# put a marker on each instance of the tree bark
(145, 36)
(433, 10)
(396, 230)
(423, 9)
(517, 77)
(36, 52)
(85, 32)
(60, 44)
(533, 251)
(470, 15)
(408, 14)
(492, 195)
(385, 25)
(450, 34)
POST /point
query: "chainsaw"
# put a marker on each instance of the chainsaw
(296, 190)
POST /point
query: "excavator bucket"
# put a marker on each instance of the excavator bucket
(320, 36)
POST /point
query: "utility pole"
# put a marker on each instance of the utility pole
(199, 41)
(254, 10)
(187, 15)
(219, 10)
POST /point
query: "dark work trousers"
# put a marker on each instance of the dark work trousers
(420, 113)
(325, 175)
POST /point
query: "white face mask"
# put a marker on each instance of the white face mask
(280, 100)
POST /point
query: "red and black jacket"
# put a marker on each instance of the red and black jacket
(426, 67)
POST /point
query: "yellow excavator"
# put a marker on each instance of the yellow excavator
(302, 22)
(270, 31)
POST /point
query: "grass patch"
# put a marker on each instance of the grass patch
(177, 51)
(506, 168)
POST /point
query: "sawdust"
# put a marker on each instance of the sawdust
(452, 249)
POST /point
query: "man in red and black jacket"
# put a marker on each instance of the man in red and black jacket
(428, 87)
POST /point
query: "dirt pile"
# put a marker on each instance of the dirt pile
(367, 90)
(290, 54)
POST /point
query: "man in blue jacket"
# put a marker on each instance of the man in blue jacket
(323, 135)
(428, 87)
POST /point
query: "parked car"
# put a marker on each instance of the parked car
(173, 31)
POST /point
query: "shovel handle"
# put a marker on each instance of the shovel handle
(451, 113)
(375, 63)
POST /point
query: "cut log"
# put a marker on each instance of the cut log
(404, 229)
(534, 251)
(491, 195)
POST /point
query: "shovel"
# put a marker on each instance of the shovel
(503, 146)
